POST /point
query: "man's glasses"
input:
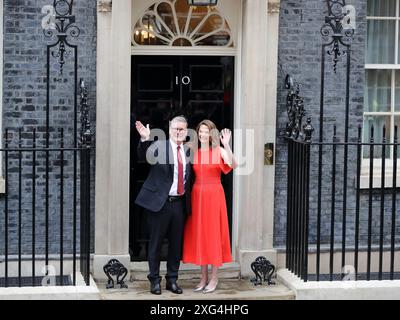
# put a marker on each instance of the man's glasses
(178, 129)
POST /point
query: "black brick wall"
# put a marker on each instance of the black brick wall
(24, 107)
(300, 46)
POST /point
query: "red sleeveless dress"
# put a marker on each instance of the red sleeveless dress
(206, 235)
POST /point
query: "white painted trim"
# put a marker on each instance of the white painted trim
(377, 164)
(382, 18)
(236, 124)
(364, 177)
(112, 135)
(340, 290)
(183, 51)
(376, 181)
(78, 292)
(396, 39)
(385, 113)
(382, 66)
(252, 117)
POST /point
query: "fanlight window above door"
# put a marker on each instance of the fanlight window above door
(175, 23)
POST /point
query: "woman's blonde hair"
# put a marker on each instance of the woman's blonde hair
(214, 133)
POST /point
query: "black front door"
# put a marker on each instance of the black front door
(163, 87)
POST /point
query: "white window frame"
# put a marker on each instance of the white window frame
(377, 163)
(230, 11)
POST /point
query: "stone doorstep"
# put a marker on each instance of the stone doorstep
(143, 266)
(186, 272)
(231, 286)
(228, 289)
(185, 275)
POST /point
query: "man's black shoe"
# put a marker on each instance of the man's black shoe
(155, 288)
(173, 287)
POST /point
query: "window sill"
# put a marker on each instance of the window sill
(376, 181)
(377, 170)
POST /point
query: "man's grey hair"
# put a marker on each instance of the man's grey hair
(179, 119)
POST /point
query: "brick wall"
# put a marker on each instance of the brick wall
(300, 46)
(24, 107)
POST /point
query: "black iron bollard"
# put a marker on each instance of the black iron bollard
(264, 270)
(115, 268)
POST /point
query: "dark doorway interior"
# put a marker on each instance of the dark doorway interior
(166, 86)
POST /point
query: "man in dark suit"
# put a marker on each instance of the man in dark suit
(165, 195)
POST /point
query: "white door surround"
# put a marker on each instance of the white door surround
(255, 108)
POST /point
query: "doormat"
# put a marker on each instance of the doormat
(36, 282)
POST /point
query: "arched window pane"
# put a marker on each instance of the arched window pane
(175, 23)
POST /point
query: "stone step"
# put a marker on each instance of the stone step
(228, 289)
(139, 271)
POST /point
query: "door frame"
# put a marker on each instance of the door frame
(237, 97)
(213, 51)
(234, 183)
(254, 211)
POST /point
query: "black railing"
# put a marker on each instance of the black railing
(30, 238)
(298, 207)
(27, 239)
(40, 228)
(85, 143)
(350, 210)
(85, 214)
(47, 178)
(316, 222)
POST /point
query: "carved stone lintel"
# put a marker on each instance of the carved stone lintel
(273, 7)
(104, 6)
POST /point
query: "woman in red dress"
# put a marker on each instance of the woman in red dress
(206, 237)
